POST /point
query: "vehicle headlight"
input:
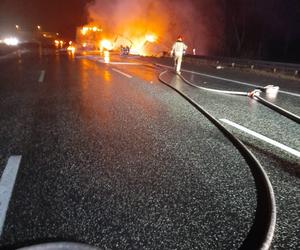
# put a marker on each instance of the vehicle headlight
(11, 41)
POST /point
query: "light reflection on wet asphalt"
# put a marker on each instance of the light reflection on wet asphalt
(128, 163)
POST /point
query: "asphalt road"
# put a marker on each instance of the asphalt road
(113, 158)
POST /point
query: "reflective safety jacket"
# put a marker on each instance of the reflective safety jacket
(178, 48)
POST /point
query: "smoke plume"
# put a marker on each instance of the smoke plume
(196, 20)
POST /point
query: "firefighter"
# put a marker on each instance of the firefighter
(178, 51)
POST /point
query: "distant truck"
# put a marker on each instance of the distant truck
(88, 37)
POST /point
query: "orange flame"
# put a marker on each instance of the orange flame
(106, 45)
(137, 35)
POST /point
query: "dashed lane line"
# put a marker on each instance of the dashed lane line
(42, 76)
(122, 73)
(263, 138)
(126, 63)
(7, 183)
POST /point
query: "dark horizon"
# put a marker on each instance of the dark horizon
(51, 15)
(265, 30)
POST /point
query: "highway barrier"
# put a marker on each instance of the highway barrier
(284, 69)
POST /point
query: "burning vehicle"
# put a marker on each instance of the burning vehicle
(88, 37)
(93, 38)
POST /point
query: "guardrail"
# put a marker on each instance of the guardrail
(287, 69)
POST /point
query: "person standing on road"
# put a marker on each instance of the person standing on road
(178, 51)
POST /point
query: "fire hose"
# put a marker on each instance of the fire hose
(255, 94)
(262, 231)
(280, 110)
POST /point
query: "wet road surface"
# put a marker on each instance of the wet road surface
(115, 159)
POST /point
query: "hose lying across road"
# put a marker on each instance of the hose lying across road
(261, 233)
(254, 94)
(215, 90)
(280, 110)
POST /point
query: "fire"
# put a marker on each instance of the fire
(87, 29)
(106, 45)
(138, 44)
(146, 27)
(151, 38)
(140, 37)
(161, 22)
(84, 30)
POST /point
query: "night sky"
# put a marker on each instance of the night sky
(259, 29)
(61, 16)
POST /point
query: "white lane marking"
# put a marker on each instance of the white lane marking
(97, 59)
(42, 76)
(119, 63)
(125, 63)
(229, 80)
(262, 137)
(122, 73)
(289, 93)
(7, 183)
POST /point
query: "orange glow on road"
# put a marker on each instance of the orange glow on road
(107, 76)
(71, 49)
(106, 56)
